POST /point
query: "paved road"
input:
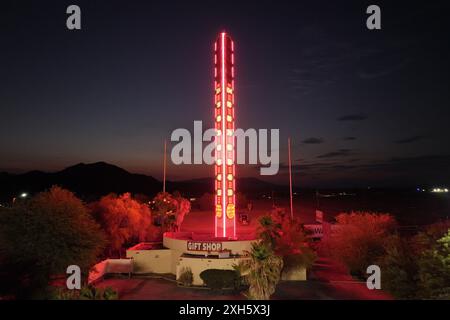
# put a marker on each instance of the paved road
(327, 281)
(160, 289)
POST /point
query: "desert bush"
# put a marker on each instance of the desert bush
(41, 237)
(418, 267)
(124, 220)
(359, 239)
(217, 279)
(434, 270)
(186, 277)
(88, 292)
(287, 238)
(399, 268)
(94, 293)
(170, 210)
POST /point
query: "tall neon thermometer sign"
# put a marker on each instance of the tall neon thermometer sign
(225, 185)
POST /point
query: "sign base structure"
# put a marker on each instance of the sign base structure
(181, 250)
(197, 252)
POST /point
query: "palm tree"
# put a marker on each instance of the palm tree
(268, 230)
(262, 271)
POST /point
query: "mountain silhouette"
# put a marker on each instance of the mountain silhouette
(93, 180)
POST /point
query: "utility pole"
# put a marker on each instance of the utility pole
(273, 199)
(164, 166)
(290, 178)
(317, 200)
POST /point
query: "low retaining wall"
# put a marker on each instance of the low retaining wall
(151, 261)
(110, 266)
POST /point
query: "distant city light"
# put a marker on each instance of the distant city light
(440, 190)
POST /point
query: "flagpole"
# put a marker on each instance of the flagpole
(290, 177)
(164, 166)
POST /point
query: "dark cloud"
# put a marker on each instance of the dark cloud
(425, 160)
(313, 140)
(309, 167)
(427, 167)
(320, 63)
(353, 117)
(399, 171)
(385, 71)
(349, 138)
(335, 154)
(410, 139)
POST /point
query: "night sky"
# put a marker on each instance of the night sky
(364, 108)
